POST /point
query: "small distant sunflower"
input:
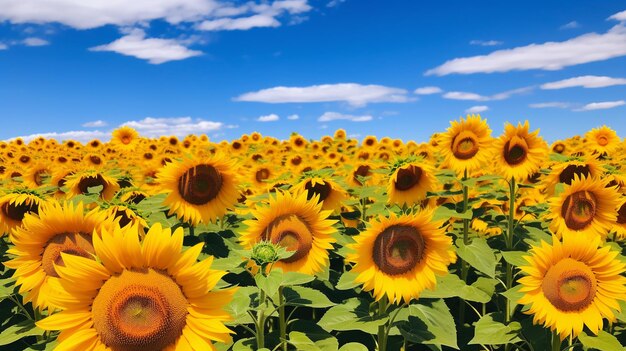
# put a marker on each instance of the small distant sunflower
(260, 176)
(140, 296)
(602, 140)
(362, 169)
(326, 191)
(126, 216)
(586, 207)
(564, 172)
(465, 145)
(409, 184)
(518, 152)
(572, 283)
(36, 174)
(79, 183)
(125, 138)
(40, 241)
(14, 206)
(297, 223)
(619, 227)
(559, 147)
(401, 256)
(199, 189)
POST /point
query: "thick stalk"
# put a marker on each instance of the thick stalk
(556, 342)
(281, 319)
(464, 265)
(382, 330)
(260, 323)
(509, 246)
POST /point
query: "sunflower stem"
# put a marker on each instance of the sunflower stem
(464, 265)
(281, 319)
(556, 342)
(260, 323)
(382, 330)
(509, 246)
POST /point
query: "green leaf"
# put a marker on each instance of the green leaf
(479, 255)
(307, 335)
(296, 278)
(247, 344)
(6, 288)
(537, 235)
(429, 323)
(488, 331)
(353, 346)
(513, 294)
(603, 342)
(354, 314)
(18, 331)
(303, 296)
(451, 285)
(241, 303)
(95, 189)
(515, 258)
(346, 281)
(270, 283)
(443, 213)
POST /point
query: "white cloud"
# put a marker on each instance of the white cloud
(570, 25)
(601, 105)
(620, 16)
(554, 104)
(293, 117)
(78, 135)
(334, 3)
(268, 118)
(477, 109)
(486, 42)
(428, 90)
(354, 94)
(334, 116)
(461, 95)
(178, 126)
(590, 47)
(33, 41)
(3, 46)
(155, 50)
(95, 124)
(585, 82)
(241, 23)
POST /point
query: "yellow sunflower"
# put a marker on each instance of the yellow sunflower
(401, 256)
(602, 140)
(40, 241)
(125, 138)
(559, 147)
(465, 145)
(14, 206)
(79, 183)
(199, 189)
(564, 172)
(409, 184)
(518, 152)
(297, 223)
(619, 227)
(586, 207)
(326, 191)
(572, 283)
(139, 296)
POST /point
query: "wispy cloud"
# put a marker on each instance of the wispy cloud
(590, 47)
(570, 25)
(3, 46)
(293, 117)
(334, 3)
(78, 135)
(486, 42)
(241, 23)
(95, 124)
(462, 95)
(620, 16)
(334, 116)
(585, 82)
(268, 118)
(553, 104)
(154, 50)
(354, 94)
(428, 90)
(601, 105)
(477, 109)
(257, 15)
(33, 41)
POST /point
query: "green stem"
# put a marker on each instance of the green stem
(509, 246)
(364, 210)
(382, 330)
(281, 319)
(260, 323)
(556, 342)
(464, 265)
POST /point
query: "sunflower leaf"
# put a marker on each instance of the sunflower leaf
(430, 323)
(303, 296)
(354, 314)
(451, 285)
(479, 255)
(488, 331)
(515, 258)
(347, 281)
(603, 342)
(445, 213)
(307, 335)
(19, 331)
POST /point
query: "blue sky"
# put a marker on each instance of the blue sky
(402, 69)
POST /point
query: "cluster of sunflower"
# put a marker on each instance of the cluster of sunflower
(96, 236)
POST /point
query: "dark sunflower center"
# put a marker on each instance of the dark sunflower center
(534, 178)
(579, 209)
(77, 244)
(569, 285)
(603, 140)
(362, 171)
(39, 176)
(200, 184)
(398, 249)
(293, 242)
(292, 233)
(465, 145)
(124, 218)
(515, 151)
(126, 139)
(88, 182)
(16, 212)
(262, 174)
(567, 175)
(558, 148)
(621, 214)
(296, 160)
(139, 310)
(323, 189)
(408, 178)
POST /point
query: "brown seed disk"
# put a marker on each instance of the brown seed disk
(16, 212)
(398, 249)
(200, 184)
(515, 151)
(569, 285)
(77, 244)
(322, 189)
(464, 145)
(88, 182)
(408, 177)
(363, 171)
(262, 174)
(567, 175)
(579, 209)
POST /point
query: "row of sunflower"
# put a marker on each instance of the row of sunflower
(465, 242)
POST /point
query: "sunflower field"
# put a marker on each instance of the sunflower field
(469, 241)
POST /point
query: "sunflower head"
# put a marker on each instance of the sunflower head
(465, 145)
(14, 206)
(602, 140)
(125, 137)
(520, 153)
(410, 182)
(323, 189)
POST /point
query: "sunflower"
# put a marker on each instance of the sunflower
(41, 239)
(518, 152)
(401, 256)
(148, 296)
(465, 145)
(297, 223)
(80, 182)
(619, 227)
(126, 216)
(602, 140)
(585, 207)
(125, 138)
(260, 176)
(362, 169)
(565, 172)
(199, 189)
(36, 174)
(409, 184)
(558, 147)
(326, 191)
(14, 206)
(572, 283)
